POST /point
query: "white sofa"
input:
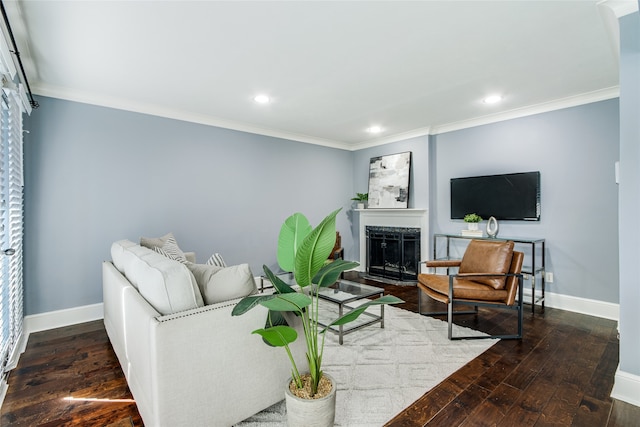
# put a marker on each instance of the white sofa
(199, 366)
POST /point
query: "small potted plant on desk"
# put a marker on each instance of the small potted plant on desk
(304, 250)
(361, 199)
(472, 221)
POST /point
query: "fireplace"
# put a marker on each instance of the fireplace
(393, 252)
(410, 218)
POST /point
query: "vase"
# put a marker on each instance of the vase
(360, 206)
(492, 227)
(311, 412)
(472, 226)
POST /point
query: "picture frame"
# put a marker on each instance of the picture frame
(389, 178)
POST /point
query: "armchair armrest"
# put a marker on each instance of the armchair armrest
(468, 275)
(443, 263)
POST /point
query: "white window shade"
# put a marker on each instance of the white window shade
(11, 228)
(7, 67)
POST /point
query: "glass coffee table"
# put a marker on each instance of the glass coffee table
(346, 295)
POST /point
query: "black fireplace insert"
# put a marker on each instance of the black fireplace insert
(393, 252)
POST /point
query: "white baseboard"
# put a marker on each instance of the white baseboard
(626, 387)
(606, 310)
(60, 318)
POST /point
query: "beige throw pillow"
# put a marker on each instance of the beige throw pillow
(155, 242)
(219, 284)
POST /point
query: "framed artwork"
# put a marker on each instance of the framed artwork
(389, 181)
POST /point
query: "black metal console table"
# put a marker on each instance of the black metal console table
(533, 270)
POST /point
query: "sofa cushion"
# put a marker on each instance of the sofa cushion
(118, 255)
(166, 284)
(125, 254)
(219, 284)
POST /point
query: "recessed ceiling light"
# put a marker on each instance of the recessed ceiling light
(374, 129)
(492, 99)
(262, 99)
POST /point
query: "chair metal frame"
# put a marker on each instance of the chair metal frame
(518, 306)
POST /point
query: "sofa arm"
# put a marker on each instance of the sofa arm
(201, 357)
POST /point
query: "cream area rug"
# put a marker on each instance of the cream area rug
(380, 372)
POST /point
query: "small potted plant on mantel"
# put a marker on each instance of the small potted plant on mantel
(472, 221)
(303, 251)
(361, 199)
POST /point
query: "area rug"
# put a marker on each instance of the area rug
(380, 372)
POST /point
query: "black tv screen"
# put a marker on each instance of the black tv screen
(514, 196)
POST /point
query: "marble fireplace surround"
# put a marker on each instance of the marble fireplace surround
(415, 218)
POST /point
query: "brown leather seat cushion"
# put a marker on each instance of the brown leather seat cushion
(437, 286)
(484, 256)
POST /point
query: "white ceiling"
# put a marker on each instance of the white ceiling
(333, 68)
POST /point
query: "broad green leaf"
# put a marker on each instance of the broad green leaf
(287, 302)
(278, 336)
(315, 249)
(353, 315)
(275, 318)
(247, 303)
(328, 275)
(292, 233)
(280, 285)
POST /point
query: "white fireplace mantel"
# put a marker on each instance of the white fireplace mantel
(415, 218)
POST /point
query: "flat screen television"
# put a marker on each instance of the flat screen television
(514, 196)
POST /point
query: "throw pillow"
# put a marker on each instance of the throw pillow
(154, 242)
(216, 259)
(173, 250)
(161, 251)
(218, 284)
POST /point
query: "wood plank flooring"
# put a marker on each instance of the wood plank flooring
(560, 374)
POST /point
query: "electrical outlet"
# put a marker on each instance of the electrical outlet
(548, 277)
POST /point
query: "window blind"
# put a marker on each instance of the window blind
(11, 227)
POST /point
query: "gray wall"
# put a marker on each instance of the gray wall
(418, 181)
(629, 193)
(95, 175)
(575, 150)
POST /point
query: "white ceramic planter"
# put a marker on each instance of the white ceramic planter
(472, 226)
(311, 412)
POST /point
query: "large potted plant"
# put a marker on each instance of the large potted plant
(303, 251)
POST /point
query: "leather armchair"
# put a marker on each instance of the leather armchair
(489, 274)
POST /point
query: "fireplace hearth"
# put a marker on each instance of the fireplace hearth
(393, 252)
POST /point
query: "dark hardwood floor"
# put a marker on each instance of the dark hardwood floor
(560, 374)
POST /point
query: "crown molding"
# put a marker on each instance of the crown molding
(156, 110)
(620, 7)
(545, 107)
(392, 138)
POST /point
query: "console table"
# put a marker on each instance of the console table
(537, 266)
